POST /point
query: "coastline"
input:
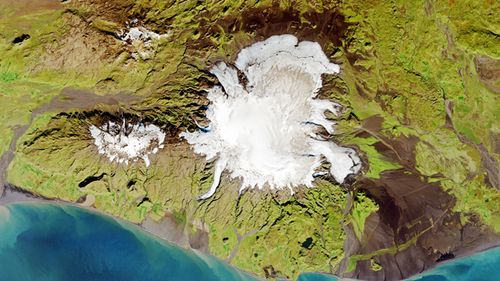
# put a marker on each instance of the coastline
(12, 194)
(446, 262)
(111, 249)
(167, 229)
(171, 231)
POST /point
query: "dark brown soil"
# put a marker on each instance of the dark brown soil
(327, 28)
(488, 70)
(80, 99)
(324, 28)
(24, 7)
(415, 217)
(111, 10)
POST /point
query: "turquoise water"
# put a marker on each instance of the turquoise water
(316, 277)
(46, 242)
(61, 243)
(483, 266)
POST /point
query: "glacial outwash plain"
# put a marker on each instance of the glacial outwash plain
(417, 110)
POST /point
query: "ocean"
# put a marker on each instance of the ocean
(54, 242)
(46, 242)
(484, 266)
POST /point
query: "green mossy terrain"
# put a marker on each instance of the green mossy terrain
(425, 71)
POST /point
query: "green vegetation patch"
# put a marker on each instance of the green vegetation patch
(377, 162)
(408, 62)
(361, 209)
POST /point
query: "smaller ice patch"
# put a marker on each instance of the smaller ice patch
(141, 39)
(138, 34)
(126, 142)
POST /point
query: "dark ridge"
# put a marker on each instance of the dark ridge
(101, 118)
(361, 90)
(107, 79)
(352, 58)
(445, 256)
(349, 181)
(307, 244)
(21, 38)
(353, 116)
(90, 179)
(327, 28)
(241, 77)
(289, 202)
(225, 239)
(204, 83)
(204, 178)
(43, 134)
